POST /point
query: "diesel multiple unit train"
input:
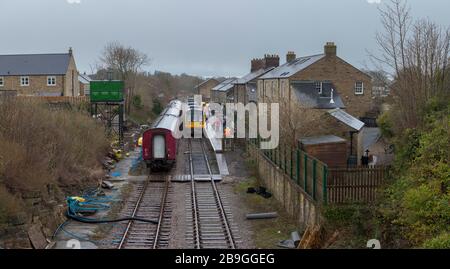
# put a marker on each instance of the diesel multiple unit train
(159, 143)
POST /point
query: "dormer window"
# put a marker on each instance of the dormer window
(319, 87)
(359, 88)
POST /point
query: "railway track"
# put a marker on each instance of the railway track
(150, 201)
(210, 218)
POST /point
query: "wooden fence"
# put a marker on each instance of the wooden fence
(75, 100)
(347, 185)
(322, 184)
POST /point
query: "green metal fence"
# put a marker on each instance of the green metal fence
(306, 171)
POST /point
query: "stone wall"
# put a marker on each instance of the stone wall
(297, 203)
(31, 228)
(37, 84)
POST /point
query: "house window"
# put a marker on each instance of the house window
(319, 87)
(359, 87)
(24, 81)
(2, 83)
(51, 81)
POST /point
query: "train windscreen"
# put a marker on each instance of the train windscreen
(196, 116)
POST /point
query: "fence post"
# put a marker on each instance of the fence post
(305, 172)
(314, 179)
(324, 184)
(298, 167)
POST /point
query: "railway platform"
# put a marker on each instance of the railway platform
(215, 141)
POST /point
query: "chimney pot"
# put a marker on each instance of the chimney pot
(330, 49)
(272, 60)
(290, 56)
(256, 64)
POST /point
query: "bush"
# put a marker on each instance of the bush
(9, 205)
(137, 102)
(416, 204)
(42, 147)
(157, 107)
(385, 124)
(440, 242)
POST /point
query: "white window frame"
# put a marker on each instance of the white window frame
(2, 81)
(319, 86)
(22, 79)
(359, 90)
(53, 79)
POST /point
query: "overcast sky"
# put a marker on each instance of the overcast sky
(200, 37)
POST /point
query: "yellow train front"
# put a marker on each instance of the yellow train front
(195, 119)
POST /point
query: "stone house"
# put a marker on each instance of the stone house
(244, 90)
(221, 94)
(308, 88)
(204, 88)
(39, 74)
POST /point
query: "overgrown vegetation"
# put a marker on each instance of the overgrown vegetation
(417, 203)
(43, 149)
(413, 210)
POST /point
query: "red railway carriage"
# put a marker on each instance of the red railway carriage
(159, 146)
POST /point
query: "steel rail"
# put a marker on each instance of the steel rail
(194, 199)
(219, 201)
(138, 203)
(161, 213)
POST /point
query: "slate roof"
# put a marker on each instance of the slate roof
(346, 118)
(309, 96)
(85, 79)
(204, 82)
(288, 69)
(324, 139)
(34, 64)
(225, 85)
(251, 76)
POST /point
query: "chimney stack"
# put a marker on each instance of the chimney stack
(272, 60)
(330, 49)
(257, 64)
(70, 51)
(290, 56)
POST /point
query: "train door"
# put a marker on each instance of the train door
(159, 147)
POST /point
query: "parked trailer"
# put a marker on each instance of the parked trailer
(159, 146)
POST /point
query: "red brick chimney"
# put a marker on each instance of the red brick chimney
(271, 60)
(330, 49)
(257, 64)
(290, 56)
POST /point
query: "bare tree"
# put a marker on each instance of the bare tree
(126, 62)
(416, 54)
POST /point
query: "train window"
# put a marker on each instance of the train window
(197, 115)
